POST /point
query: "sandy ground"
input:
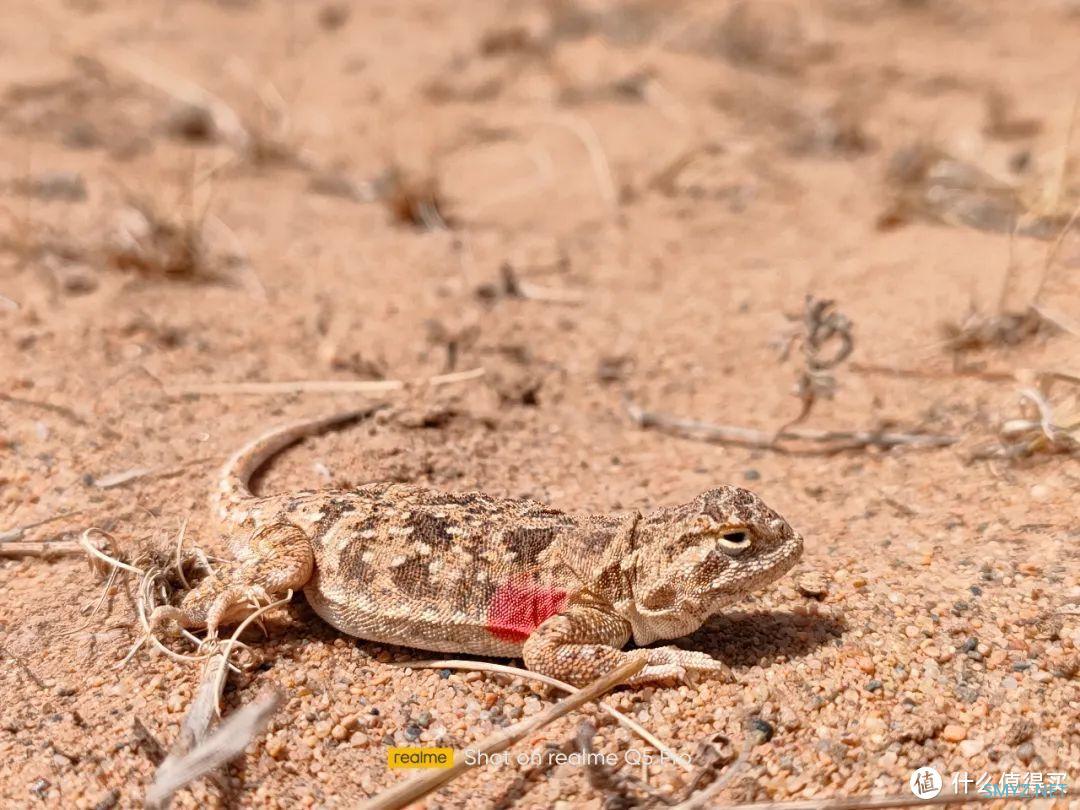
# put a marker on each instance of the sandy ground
(677, 177)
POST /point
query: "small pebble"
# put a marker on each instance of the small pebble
(966, 693)
(276, 747)
(762, 727)
(970, 748)
(1019, 732)
(812, 584)
(954, 733)
(874, 685)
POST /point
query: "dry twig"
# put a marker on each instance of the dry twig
(26, 549)
(515, 287)
(198, 751)
(703, 798)
(617, 787)
(833, 441)
(19, 532)
(850, 803)
(322, 386)
(821, 325)
(139, 473)
(419, 786)
(59, 410)
(483, 666)
(210, 751)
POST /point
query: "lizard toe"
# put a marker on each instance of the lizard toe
(690, 660)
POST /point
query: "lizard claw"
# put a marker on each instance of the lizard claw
(672, 663)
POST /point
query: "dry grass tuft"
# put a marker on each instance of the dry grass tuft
(415, 200)
(173, 241)
(930, 184)
(30, 241)
(155, 242)
(1040, 427)
(980, 331)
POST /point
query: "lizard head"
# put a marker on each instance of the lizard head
(691, 560)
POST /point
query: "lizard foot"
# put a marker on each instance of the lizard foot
(277, 559)
(672, 663)
(210, 609)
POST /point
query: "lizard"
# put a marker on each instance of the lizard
(472, 573)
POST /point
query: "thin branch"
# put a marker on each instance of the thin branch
(518, 288)
(59, 410)
(850, 803)
(19, 532)
(932, 374)
(198, 751)
(601, 168)
(836, 440)
(226, 743)
(410, 790)
(983, 374)
(483, 666)
(322, 386)
(10, 548)
(139, 473)
(703, 798)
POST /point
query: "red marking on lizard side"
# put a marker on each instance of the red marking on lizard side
(518, 608)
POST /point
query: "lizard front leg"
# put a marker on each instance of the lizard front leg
(584, 642)
(278, 558)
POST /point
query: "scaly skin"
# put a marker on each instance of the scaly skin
(469, 573)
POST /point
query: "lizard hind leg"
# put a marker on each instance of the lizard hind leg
(280, 558)
(584, 642)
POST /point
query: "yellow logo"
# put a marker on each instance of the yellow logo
(419, 757)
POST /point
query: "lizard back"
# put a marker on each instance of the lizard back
(454, 572)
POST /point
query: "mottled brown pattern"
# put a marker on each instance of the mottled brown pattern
(411, 578)
(408, 565)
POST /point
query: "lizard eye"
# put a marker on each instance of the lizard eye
(735, 542)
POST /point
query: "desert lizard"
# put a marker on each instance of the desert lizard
(471, 573)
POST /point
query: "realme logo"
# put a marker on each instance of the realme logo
(420, 757)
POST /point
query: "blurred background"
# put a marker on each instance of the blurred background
(279, 189)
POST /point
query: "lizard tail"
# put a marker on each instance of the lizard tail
(233, 497)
